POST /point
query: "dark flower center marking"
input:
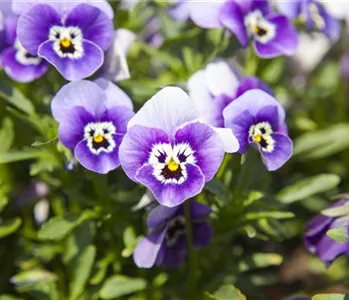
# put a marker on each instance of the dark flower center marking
(169, 162)
(259, 28)
(261, 133)
(176, 228)
(24, 57)
(99, 137)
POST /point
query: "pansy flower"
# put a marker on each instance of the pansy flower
(16, 61)
(214, 87)
(257, 118)
(313, 14)
(169, 150)
(166, 243)
(316, 239)
(71, 36)
(93, 119)
(272, 33)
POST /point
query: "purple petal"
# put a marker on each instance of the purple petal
(180, 11)
(74, 69)
(102, 163)
(281, 153)
(159, 215)
(19, 72)
(120, 116)
(252, 101)
(71, 127)
(290, 8)
(207, 145)
(115, 95)
(34, 26)
(80, 93)
(10, 29)
(172, 194)
(176, 254)
(169, 109)
(250, 83)
(232, 18)
(206, 14)
(202, 234)
(332, 25)
(262, 5)
(285, 41)
(240, 124)
(136, 148)
(94, 23)
(199, 210)
(269, 114)
(146, 252)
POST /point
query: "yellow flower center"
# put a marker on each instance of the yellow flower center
(98, 139)
(66, 43)
(172, 165)
(257, 138)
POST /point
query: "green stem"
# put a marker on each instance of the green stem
(193, 271)
(224, 166)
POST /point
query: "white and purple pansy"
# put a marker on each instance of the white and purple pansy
(166, 243)
(257, 118)
(170, 150)
(272, 33)
(313, 14)
(16, 61)
(72, 36)
(214, 87)
(93, 119)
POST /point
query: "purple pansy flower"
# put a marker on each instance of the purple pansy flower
(70, 35)
(17, 63)
(316, 240)
(93, 119)
(166, 243)
(272, 33)
(214, 87)
(170, 151)
(314, 15)
(257, 118)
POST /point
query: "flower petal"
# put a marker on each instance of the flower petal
(159, 215)
(281, 153)
(202, 234)
(136, 148)
(79, 93)
(250, 83)
(206, 14)
(119, 115)
(169, 109)
(115, 95)
(172, 194)
(19, 72)
(94, 23)
(147, 250)
(199, 210)
(229, 140)
(207, 145)
(74, 69)
(34, 26)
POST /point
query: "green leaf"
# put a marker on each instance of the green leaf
(9, 226)
(6, 135)
(9, 297)
(216, 187)
(330, 297)
(227, 292)
(82, 271)
(130, 241)
(58, 227)
(3, 202)
(339, 234)
(33, 276)
(260, 260)
(269, 214)
(15, 97)
(15, 156)
(119, 285)
(40, 144)
(307, 187)
(337, 211)
(322, 143)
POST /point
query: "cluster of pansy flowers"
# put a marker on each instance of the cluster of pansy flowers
(176, 142)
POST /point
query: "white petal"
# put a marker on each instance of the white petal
(230, 142)
(168, 110)
(124, 38)
(115, 95)
(221, 78)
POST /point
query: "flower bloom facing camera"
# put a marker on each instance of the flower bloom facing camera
(316, 239)
(272, 33)
(313, 14)
(214, 87)
(257, 118)
(170, 151)
(93, 119)
(71, 36)
(166, 243)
